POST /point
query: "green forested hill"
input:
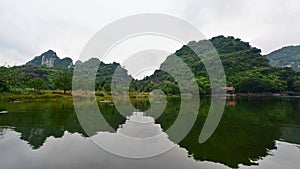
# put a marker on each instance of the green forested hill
(245, 68)
(26, 78)
(84, 73)
(286, 57)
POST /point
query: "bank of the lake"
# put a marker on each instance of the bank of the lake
(60, 95)
(103, 95)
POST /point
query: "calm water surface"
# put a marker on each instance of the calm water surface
(253, 133)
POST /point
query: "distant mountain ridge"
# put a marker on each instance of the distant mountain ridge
(50, 59)
(288, 56)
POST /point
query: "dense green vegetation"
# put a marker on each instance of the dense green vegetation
(286, 57)
(29, 79)
(86, 72)
(24, 79)
(245, 68)
(64, 80)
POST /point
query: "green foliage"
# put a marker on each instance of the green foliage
(21, 77)
(204, 85)
(297, 85)
(107, 87)
(64, 81)
(255, 85)
(3, 86)
(168, 87)
(37, 84)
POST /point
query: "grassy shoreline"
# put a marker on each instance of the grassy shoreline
(34, 97)
(101, 96)
(59, 95)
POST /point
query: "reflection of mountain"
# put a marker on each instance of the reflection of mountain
(247, 131)
(36, 137)
(242, 136)
(38, 121)
(73, 151)
(232, 144)
(291, 134)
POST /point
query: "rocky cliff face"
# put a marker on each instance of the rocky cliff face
(50, 59)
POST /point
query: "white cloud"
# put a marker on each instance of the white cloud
(31, 27)
(268, 24)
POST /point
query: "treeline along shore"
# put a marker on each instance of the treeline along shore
(247, 71)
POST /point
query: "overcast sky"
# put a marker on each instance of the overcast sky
(29, 28)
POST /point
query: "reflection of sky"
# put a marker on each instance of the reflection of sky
(291, 134)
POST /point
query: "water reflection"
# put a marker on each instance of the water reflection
(74, 151)
(48, 135)
(139, 138)
(291, 134)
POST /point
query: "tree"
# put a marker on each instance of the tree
(169, 88)
(203, 84)
(37, 83)
(3, 86)
(107, 87)
(296, 85)
(64, 81)
(254, 85)
(100, 85)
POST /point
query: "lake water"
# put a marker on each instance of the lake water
(253, 133)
